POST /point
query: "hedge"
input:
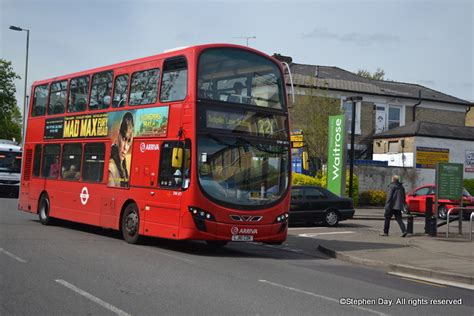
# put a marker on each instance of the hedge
(469, 185)
(373, 198)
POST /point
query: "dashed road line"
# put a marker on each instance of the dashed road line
(319, 296)
(91, 297)
(327, 233)
(12, 255)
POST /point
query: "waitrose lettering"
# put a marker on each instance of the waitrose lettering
(337, 150)
(336, 158)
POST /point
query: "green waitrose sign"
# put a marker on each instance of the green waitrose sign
(336, 154)
(449, 178)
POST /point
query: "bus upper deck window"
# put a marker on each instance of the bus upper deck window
(144, 87)
(175, 80)
(120, 91)
(57, 97)
(78, 93)
(40, 100)
(101, 90)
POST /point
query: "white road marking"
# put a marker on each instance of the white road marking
(320, 296)
(12, 255)
(97, 300)
(434, 280)
(304, 228)
(328, 233)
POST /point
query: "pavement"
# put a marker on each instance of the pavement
(418, 256)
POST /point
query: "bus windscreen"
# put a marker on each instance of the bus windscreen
(242, 77)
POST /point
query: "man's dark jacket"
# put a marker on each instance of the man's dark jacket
(395, 196)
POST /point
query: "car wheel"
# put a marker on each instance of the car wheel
(130, 224)
(442, 212)
(331, 218)
(43, 210)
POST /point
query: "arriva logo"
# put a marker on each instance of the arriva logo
(149, 147)
(248, 231)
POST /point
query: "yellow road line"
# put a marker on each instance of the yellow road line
(424, 282)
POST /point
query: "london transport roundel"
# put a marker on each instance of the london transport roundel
(84, 195)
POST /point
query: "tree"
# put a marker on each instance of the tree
(10, 117)
(379, 74)
(311, 114)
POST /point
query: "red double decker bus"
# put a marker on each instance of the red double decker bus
(189, 144)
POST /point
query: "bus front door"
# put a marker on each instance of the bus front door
(160, 194)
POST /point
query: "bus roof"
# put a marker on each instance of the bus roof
(166, 54)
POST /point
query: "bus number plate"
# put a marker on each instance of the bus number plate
(242, 238)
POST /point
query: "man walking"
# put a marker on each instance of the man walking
(394, 205)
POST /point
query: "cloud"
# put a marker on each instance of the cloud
(321, 33)
(354, 37)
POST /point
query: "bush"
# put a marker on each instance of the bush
(355, 188)
(301, 179)
(373, 198)
(469, 185)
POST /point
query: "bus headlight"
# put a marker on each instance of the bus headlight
(282, 218)
(200, 213)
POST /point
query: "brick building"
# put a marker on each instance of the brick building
(385, 105)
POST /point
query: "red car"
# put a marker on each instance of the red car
(416, 201)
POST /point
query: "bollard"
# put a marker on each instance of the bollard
(428, 213)
(433, 226)
(410, 224)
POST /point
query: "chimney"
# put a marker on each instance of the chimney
(286, 59)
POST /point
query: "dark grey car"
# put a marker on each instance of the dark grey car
(310, 204)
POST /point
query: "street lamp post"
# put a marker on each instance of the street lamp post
(354, 100)
(247, 38)
(16, 28)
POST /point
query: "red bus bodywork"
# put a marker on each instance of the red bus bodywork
(162, 212)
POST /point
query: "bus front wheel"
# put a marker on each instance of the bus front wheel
(43, 211)
(130, 224)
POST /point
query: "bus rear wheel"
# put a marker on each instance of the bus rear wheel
(130, 224)
(43, 210)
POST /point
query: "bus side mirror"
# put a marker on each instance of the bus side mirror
(177, 160)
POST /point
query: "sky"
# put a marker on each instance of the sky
(424, 42)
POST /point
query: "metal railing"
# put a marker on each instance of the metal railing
(447, 219)
(460, 214)
(470, 226)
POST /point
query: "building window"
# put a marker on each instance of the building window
(394, 116)
(393, 146)
(388, 117)
(347, 108)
